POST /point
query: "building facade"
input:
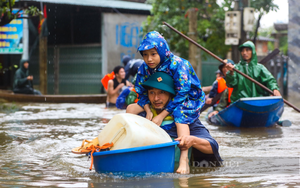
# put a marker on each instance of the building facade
(86, 40)
(294, 52)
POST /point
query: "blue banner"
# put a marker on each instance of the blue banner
(11, 37)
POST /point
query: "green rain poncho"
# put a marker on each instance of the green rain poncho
(242, 87)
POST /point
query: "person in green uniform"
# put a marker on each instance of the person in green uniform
(161, 90)
(242, 87)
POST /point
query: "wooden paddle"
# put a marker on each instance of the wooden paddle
(219, 59)
(218, 96)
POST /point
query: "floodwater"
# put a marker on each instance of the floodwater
(36, 142)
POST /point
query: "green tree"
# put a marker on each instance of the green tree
(210, 24)
(283, 45)
(262, 7)
(6, 7)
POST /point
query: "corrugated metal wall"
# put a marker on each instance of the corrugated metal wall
(79, 69)
(209, 67)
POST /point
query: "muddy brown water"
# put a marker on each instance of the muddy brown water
(36, 140)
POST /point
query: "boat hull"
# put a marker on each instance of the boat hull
(252, 112)
(153, 158)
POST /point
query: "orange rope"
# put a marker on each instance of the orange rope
(97, 149)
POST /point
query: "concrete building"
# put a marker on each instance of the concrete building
(294, 52)
(86, 40)
(261, 45)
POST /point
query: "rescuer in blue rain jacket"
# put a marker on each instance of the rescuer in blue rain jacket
(185, 106)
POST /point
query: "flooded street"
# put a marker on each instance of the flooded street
(37, 139)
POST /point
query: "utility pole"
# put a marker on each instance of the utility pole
(243, 4)
(234, 48)
(237, 23)
(194, 52)
(239, 6)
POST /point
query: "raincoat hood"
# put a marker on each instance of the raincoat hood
(155, 40)
(22, 61)
(249, 44)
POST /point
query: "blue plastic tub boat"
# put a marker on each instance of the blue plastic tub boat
(252, 112)
(154, 158)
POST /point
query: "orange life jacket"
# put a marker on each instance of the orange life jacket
(221, 84)
(106, 78)
(229, 94)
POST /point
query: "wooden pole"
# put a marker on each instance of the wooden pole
(43, 63)
(56, 71)
(219, 59)
(193, 58)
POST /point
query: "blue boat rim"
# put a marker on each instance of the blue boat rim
(260, 98)
(135, 149)
(243, 105)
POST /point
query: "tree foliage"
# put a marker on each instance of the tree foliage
(262, 7)
(210, 24)
(7, 15)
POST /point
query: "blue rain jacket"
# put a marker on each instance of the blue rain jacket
(185, 106)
